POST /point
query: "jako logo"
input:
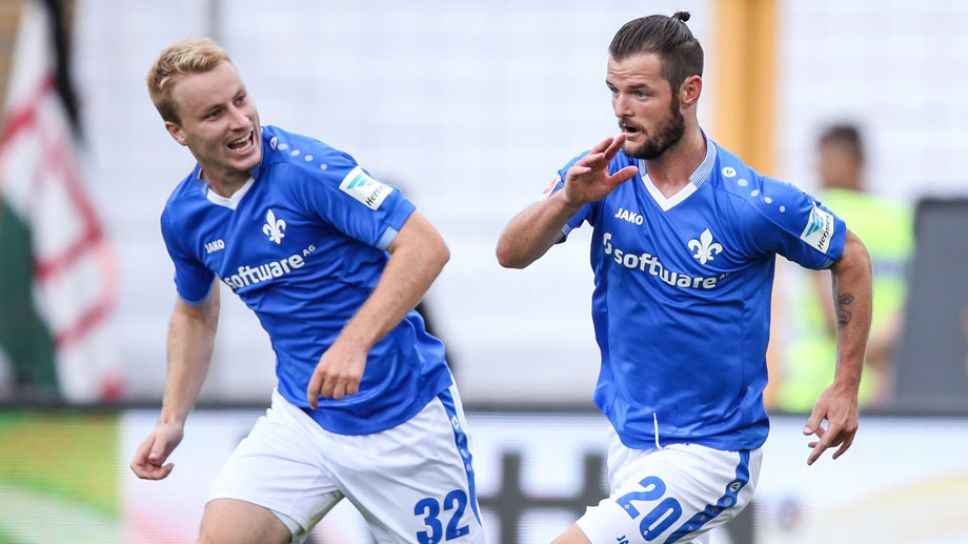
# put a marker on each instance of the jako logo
(274, 228)
(705, 249)
(212, 247)
(631, 217)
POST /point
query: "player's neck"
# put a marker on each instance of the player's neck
(670, 172)
(227, 184)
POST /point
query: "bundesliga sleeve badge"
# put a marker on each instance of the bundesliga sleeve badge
(359, 185)
(819, 229)
(550, 188)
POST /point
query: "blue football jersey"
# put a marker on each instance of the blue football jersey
(303, 244)
(681, 306)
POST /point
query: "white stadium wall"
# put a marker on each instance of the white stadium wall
(472, 107)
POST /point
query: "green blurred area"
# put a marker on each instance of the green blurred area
(6, 539)
(67, 455)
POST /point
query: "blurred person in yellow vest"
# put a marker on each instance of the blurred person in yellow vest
(887, 229)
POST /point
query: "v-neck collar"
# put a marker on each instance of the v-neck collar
(695, 180)
(231, 202)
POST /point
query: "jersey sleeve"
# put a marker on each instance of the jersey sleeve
(790, 222)
(193, 280)
(557, 184)
(355, 203)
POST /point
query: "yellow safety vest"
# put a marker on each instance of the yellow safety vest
(886, 228)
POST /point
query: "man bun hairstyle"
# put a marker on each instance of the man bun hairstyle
(668, 37)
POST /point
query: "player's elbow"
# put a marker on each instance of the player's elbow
(442, 253)
(434, 252)
(855, 253)
(508, 257)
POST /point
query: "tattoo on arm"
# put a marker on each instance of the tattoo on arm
(843, 314)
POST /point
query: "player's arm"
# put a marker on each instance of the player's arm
(838, 403)
(417, 255)
(191, 339)
(532, 232)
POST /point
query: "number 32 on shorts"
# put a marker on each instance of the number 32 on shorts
(430, 509)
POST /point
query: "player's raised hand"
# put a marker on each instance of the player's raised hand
(338, 373)
(148, 462)
(838, 406)
(588, 179)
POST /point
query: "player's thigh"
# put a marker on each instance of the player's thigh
(279, 468)
(573, 535)
(675, 494)
(415, 482)
(230, 521)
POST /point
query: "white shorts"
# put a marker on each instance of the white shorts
(412, 483)
(677, 493)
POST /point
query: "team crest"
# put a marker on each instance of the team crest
(705, 249)
(275, 228)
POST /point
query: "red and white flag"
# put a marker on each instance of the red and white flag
(58, 280)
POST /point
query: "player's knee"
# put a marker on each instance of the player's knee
(228, 521)
(573, 535)
(210, 533)
(223, 533)
(215, 530)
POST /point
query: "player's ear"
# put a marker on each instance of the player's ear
(690, 90)
(176, 132)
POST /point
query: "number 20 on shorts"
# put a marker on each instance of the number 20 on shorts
(662, 515)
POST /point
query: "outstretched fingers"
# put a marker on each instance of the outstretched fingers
(602, 146)
(825, 442)
(836, 435)
(614, 146)
(623, 175)
(592, 160)
(844, 447)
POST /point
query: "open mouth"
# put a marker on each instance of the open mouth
(630, 130)
(243, 142)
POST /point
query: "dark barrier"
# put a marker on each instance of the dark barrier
(932, 370)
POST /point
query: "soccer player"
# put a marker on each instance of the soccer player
(332, 262)
(685, 237)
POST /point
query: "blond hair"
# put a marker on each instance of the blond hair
(193, 56)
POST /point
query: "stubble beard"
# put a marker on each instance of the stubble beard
(667, 135)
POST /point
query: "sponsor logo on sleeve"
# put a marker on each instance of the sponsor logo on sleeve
(550, 188)
(367, 190)
(819, 229)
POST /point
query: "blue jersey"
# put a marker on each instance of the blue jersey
(681, 305)
(303, 244)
